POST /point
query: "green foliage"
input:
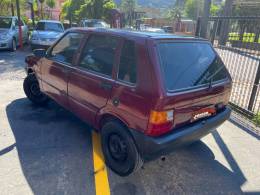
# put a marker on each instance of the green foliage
(256, 119)
(50, 3)
(128, 7)
(175, 13)
(5, 6)
(93, 9)
(97, 9)
(214, 10)
(247, 38)
(194, 8)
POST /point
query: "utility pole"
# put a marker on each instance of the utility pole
(205, 18)
(19, 24)
(225, 23)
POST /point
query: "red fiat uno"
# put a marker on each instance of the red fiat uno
(146, 93)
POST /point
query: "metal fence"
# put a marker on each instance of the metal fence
(237, 41)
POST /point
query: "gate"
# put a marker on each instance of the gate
(237, 41)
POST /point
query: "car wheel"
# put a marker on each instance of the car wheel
(120, 152)
(32, 90)
(13, 46)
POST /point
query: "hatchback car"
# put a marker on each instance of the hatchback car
(9, 32)
(146, 93)
(46, 33)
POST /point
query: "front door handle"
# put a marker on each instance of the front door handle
(106, 86)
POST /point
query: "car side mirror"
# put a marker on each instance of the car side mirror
(41, 53)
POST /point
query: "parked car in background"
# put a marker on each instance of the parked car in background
(67, 25)
(155, 30)
(168, 29)
(96, 23)
(146, 93)
(9, 32)
(46, 33)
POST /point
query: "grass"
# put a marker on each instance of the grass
(256, 119)
(247, 37)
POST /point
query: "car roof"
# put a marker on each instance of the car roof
(52, 21)
(136, 34)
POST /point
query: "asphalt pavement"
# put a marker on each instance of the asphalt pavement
(47, 150)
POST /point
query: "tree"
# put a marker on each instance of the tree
(96, 9)
(51, 4)
(41, 2)
(5, 6)
(69, 9)
(128, 7)
(194, 8)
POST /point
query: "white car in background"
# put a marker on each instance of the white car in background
(9, 32)
(46, 33)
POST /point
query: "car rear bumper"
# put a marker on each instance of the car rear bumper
(153, 147)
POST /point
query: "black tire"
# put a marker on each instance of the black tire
(125, 160)
(14, 45)
(32, 90)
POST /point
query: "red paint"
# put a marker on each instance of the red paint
(80, 92)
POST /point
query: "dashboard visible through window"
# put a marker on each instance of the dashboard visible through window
(65, 49)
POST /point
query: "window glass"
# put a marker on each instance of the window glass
(127, 66)
(65, 49)
(5, 22)
(99, 54)
(190, 64)
(49, 26)
(16, 22)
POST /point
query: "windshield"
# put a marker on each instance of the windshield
(5, 22)
(49, 26)
(187, 64)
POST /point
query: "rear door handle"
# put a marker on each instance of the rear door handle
(106, 86)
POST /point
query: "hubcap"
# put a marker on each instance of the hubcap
(35, 89)
(117, 147)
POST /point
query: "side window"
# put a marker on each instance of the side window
(16, 23)
(99, 53)
(65, 49)
(127, 66)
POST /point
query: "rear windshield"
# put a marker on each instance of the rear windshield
(190, 64)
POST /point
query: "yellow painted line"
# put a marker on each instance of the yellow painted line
(100, 170)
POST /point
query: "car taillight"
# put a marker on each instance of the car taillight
(160, 122)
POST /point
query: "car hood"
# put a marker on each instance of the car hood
(47, 34)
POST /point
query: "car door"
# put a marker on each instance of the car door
(55, 67)
(91, 82)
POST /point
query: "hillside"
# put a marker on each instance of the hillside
(152, 3)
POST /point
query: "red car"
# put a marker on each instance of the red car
(146, 93)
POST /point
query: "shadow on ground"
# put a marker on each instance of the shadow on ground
(54, 148)
(55, 152)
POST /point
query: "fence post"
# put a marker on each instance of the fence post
(254, 90)
(214, 31)
(205, 18)
(197, 33)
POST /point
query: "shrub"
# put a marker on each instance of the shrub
(256, 119)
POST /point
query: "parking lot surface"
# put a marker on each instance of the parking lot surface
(47, 150)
